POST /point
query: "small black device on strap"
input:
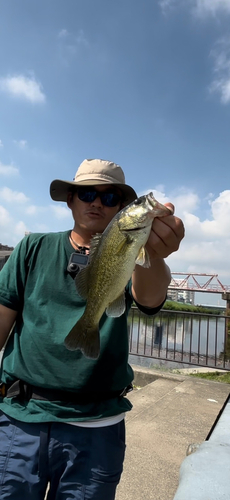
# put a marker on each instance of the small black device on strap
(77, 262)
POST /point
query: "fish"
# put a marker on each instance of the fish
(112, 258)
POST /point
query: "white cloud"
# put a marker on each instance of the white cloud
(214, 228)
(20, 229)
(60, 212)
(167, 5)
(71, 44)
(41, 228)
(164, 3)
(212, 7)
(81, 38)
(31, 210)
(206, 245)
(184, 200)
(36, 210)
(221, 58)
(8, 170)
(1, 144)
(6, 194)
(221, 206)
(23, 87)
(22, 144)
(72, 40)
(5, 218)
(63, 33)
(201, 8)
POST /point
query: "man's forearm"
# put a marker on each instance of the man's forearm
(7, 320)
(149, 285)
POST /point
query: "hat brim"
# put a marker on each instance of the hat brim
(59, 189)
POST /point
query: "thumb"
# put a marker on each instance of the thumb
(170, 206)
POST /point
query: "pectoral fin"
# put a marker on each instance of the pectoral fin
(143, 258)
(117, 307)
(121, 245)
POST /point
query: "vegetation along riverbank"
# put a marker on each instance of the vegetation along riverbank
(180, 306)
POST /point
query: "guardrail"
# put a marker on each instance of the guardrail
(184, 337)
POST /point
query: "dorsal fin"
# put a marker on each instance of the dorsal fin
(81, 282)
(94, 242)
(82, 278)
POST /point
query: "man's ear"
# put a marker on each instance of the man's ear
(69, 199)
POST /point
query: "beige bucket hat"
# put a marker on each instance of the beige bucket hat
(91, 173)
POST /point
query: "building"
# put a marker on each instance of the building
(5, 252)
(186, 296)
(172, 294)
(180, 295)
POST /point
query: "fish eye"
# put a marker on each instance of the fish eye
(138, 201)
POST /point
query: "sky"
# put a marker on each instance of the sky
(145, 84)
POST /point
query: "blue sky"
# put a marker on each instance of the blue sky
(144, 84)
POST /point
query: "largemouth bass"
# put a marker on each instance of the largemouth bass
(112, 259)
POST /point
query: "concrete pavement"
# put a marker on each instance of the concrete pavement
(169, 413)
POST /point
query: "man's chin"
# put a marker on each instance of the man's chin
(95, 226)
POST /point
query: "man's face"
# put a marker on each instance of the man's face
(93, 216)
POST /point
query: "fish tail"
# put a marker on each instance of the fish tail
(86, 339)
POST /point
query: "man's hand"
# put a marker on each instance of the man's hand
(166, 235)
(149, 285)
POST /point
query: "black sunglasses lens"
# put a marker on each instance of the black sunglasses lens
(87, 195)
(110, 199)
(107, 199)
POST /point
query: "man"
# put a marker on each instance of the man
(62, 414)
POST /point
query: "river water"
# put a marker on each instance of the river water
(178, 336)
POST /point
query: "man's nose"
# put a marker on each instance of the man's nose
(97, 202)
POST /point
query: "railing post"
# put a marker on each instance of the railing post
(226, 296)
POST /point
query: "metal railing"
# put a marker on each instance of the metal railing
(183, 337)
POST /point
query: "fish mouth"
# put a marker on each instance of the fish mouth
(151, 199)
(157, 205)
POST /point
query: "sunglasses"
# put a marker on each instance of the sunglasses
(108, 198)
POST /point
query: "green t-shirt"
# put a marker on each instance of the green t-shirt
(35, 282)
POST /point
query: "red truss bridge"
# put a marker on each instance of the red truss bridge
(198, 282)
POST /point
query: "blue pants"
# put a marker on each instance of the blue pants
(79, 463)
